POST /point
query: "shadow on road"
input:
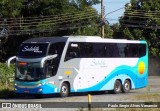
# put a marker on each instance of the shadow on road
(47, 96)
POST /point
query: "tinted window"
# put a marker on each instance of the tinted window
(33, 50)
(104, 50)
(85, 50)
(135, 50)
(111, 50)
(56, 48)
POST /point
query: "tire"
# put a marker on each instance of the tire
(64, 92)
(117, 87)
(126, 86)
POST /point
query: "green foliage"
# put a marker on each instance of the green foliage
(154, 51)
(36, 18)
(142, 22)
(87, 31)
(108, 32)
(8, 8)
(127, 34)
(138, 34)
(6, 74)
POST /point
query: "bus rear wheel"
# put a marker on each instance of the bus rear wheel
(117, 87)
(126, 86)
(64, 92)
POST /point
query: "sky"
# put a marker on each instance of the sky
(112, 5)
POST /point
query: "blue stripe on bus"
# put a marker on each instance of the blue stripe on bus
(46, 89)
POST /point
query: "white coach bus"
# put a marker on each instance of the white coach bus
(80, 64)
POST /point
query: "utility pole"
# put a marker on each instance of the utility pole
(102, 18)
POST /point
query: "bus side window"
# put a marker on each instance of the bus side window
(73, 51)
(99, 50)
(111, 50)
(107, 51)
(115, 50)
(135, 50)
(142, 50)
(88, 50)
(127, 51)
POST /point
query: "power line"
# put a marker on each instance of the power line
(47, 30)
(142, 13)
(50, 16)
(44, 18)
(50, 22)
(44, 24)
(24, 28)
(47, 23)
(115, 2)
(114, 11)
(140, 26)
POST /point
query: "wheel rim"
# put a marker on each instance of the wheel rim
(117, 87)
(127, 86)
(64, 89)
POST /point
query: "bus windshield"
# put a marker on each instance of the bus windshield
(29, 72)
(33, 50)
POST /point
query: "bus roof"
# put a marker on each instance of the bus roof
(80, 39)
(46, 40)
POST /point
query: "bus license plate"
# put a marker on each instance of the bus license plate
(26, 91)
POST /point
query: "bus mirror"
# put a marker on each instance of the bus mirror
(10, 60)
(47, 58)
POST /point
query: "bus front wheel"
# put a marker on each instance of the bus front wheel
(117, 87)
(126, 86)
(64, 92)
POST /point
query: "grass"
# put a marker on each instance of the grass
(149, 97)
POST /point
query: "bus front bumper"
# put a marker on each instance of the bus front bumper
(36, 89)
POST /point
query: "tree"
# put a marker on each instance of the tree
(8, 8)
(25, 19)
(141, 21)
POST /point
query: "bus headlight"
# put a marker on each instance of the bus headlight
(39, 90)
(15, 84)
(41, 84)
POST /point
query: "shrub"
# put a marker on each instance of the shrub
(6, 74)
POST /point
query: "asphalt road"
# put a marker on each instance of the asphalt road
(152, 88)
